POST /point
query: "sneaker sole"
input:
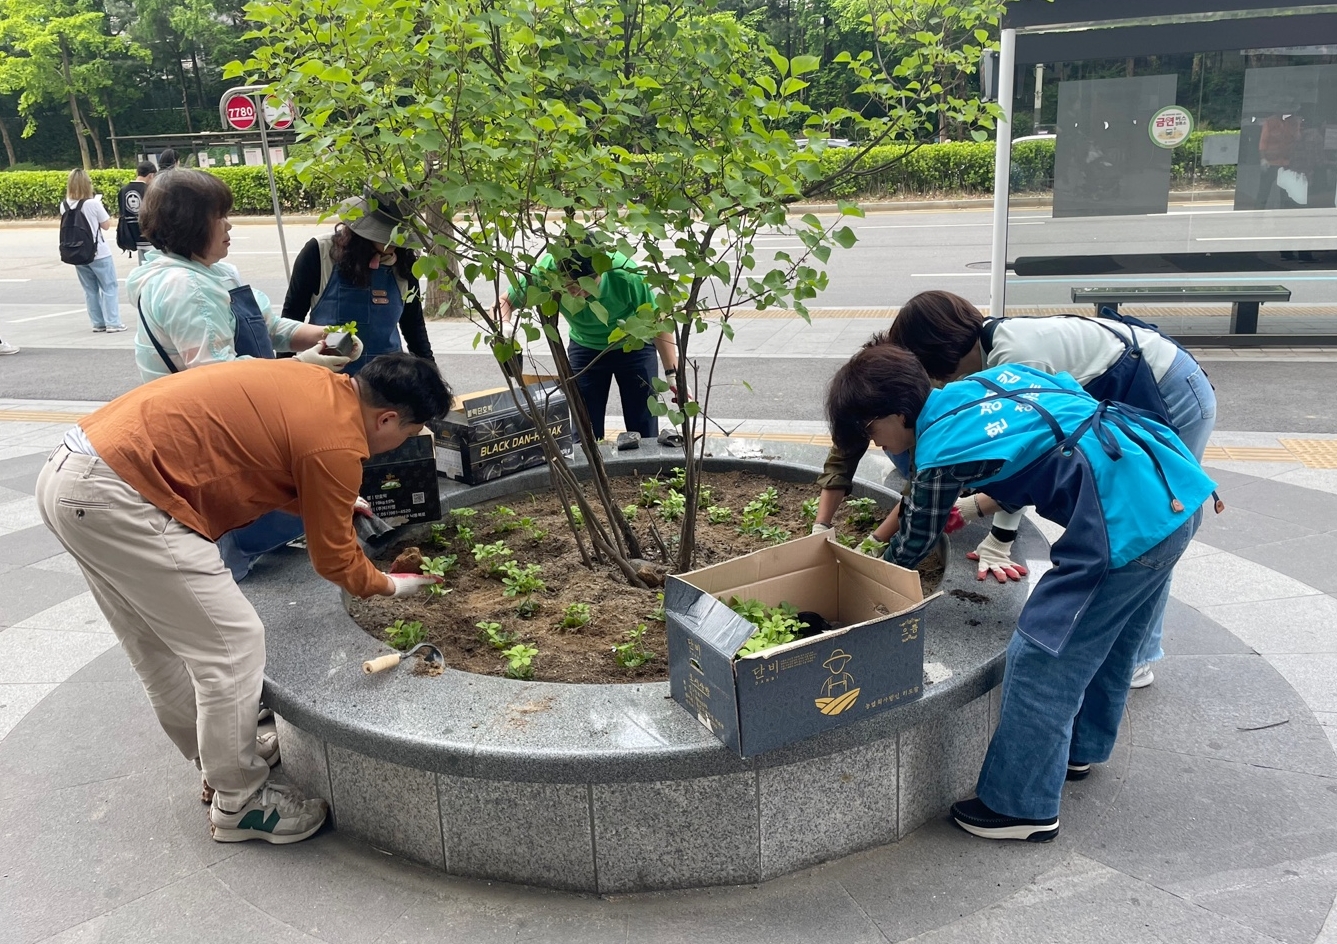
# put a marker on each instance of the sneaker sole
(1142, 682)
(1026, 833)
(226, 834)
(1078, 773)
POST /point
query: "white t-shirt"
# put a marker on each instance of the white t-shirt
(96, 214)
(1074, 345)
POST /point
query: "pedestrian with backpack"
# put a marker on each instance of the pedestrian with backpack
(83, 245)
(128, 236)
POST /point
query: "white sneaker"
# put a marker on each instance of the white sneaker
(114, 329)
(7, 348)
(1142, 676)
(276, 813)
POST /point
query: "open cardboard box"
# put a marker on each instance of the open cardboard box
(874, 662)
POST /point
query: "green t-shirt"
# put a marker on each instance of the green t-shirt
(621, 291)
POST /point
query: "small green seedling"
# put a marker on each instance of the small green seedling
(651, 493)
(808, 511)
(438, 567)
(528, 608)
(633, 653)
(872, 547)
(493, 558)
(677, 479)
(521, 581)
(719, 514)
(463, 515)
(772, 534)
(630, 512)
(758, 510)
(405, 635)
(703, 496)
(504, 519)
(347, 328)
(775, 625)
(577, 516)
(847, 540)
(862, 513)
(494, 635)
(658, 612)
(520, 661)
(673, 507)
(439, 536)
(575, 616)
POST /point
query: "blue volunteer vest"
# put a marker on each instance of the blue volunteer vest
(1117, 479)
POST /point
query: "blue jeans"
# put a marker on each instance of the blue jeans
(1066, 708)
(269, 532)
(1191, 401)
(633, 370)
(98, 279)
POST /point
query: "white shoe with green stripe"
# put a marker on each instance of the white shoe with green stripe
(275, 813)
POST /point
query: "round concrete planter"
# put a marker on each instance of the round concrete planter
(615, 788)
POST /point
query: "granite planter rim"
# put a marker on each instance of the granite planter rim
(491, 728)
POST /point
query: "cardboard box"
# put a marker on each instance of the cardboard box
(401, 485)
(756, 704)
(487, 437)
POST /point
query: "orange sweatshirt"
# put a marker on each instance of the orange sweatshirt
(218, 446)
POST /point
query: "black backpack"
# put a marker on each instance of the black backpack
(78, 244)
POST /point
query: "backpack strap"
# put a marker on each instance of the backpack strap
(171, 368)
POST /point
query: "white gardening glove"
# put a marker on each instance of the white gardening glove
(406, 585)
(332, 362)
(995, 557)
(969, 508)
(818, 527)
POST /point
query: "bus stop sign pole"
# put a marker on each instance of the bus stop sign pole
(238, 119)
(1002, 175)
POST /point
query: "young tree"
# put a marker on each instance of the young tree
(520, 128)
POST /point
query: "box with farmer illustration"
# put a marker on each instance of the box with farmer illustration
(401, 485)
(488, 435)
(866, 654)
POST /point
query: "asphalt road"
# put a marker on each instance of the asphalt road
(1262, 396)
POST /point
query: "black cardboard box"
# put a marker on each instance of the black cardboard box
(487, 436)
(401, 485)
(786, 693)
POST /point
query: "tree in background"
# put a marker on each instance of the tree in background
(57, 51)
(519, 128)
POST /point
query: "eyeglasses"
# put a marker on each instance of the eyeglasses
(868, 427)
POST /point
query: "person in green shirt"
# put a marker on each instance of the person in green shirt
(595, 362)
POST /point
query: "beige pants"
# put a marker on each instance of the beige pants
(194, 639)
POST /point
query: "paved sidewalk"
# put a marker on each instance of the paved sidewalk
(1215, 821)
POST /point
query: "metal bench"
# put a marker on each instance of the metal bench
(1244, 299)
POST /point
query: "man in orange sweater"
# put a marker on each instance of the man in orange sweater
(139, 491)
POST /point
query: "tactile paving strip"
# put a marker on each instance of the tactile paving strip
(1314, 453)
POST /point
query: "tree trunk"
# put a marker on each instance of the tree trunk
(75, 115)
(199, 83)
(9, 145)
(97, 144)
(441, 292)
(185, 99)
(111, 130)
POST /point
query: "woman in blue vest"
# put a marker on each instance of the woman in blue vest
(1113, 357)
(356, 274)
(1127, 491)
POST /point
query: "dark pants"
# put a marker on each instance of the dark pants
(633, 370)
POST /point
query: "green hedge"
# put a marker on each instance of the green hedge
(30, 194)
(958, 167)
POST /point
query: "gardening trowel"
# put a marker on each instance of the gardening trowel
(430, 654)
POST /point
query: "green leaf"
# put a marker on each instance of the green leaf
(801, 65)
(845, 237)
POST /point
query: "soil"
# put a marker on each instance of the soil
(970, 596)
(584, 654)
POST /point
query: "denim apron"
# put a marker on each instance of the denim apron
(250, 337)
(376, 309)
(1129, 379)
(1115, 477)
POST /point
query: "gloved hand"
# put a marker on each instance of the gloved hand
(995, 557)
(332, 362)
(954, 522)
(406, 585)
(362, 507)
(358, 348)
(818, 527)
(968, 508)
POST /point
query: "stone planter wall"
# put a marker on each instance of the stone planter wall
(614, 788)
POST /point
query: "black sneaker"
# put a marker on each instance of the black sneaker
(978, 820)
(1078, 771)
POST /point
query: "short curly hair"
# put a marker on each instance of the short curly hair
(939, 328)
(881, 380)
(180, 209)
